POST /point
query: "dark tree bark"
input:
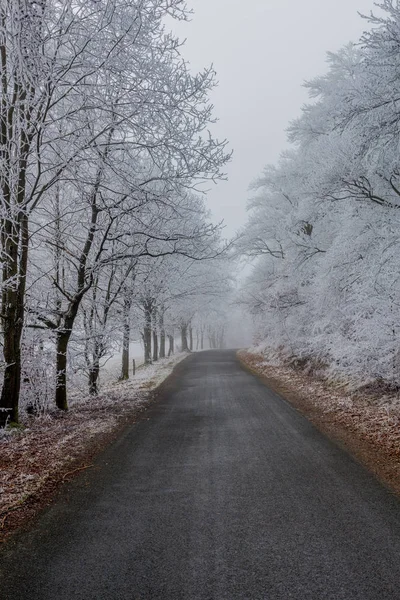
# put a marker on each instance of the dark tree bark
(14, 272)
(63, 337)
(126, 338)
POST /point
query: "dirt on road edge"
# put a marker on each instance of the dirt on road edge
(367, 427)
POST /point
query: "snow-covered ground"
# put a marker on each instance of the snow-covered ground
(112, 369)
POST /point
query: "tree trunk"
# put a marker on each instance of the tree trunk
(184, 342)
(12, 377)
(126, 339)
(162, 335)
(162, 344)
(171, 345)
(147, 333)
(14, 276)
(63, 337)
(191, 339)
(155, 346)
(94, 372)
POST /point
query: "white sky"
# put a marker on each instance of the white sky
(262, 50)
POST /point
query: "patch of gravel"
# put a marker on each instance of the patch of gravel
(367, 425)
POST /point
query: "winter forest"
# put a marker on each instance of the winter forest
(106, 156)
(105, 233)
(323, 229)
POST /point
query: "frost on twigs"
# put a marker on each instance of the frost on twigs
(324, 221)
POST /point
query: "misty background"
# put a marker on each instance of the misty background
(263, 51)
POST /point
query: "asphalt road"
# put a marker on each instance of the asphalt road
(223, 491)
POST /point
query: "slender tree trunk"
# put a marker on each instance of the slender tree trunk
(162, 335)
(197, 339)
(63, 337)
(184, 342)
(155, 346)
(170, 345)
(202, 339)
(191, 339)
(126, 338)
(125, 355)
(147, 333)
(62, 340)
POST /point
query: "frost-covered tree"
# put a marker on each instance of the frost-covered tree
(103, 133)
(322, 230)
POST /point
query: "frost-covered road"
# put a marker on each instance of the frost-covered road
(223, 491)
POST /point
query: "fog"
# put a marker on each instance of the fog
(263, 51)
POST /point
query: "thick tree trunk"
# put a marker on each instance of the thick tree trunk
(12, 377)
(13, 308)
(184, 342)
(63, 337)
(170, 345)
(14, 236)
(155, 346)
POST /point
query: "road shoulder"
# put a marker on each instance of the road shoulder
(367, 427)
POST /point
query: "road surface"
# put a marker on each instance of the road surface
(223, 491)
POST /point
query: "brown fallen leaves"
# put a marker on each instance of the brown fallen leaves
(47, 451)
(36, 459)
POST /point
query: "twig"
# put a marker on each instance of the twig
(76, 470)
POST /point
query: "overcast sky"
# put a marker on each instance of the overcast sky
(262, 50)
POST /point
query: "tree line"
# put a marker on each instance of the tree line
(104, 150)
(323, 229)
